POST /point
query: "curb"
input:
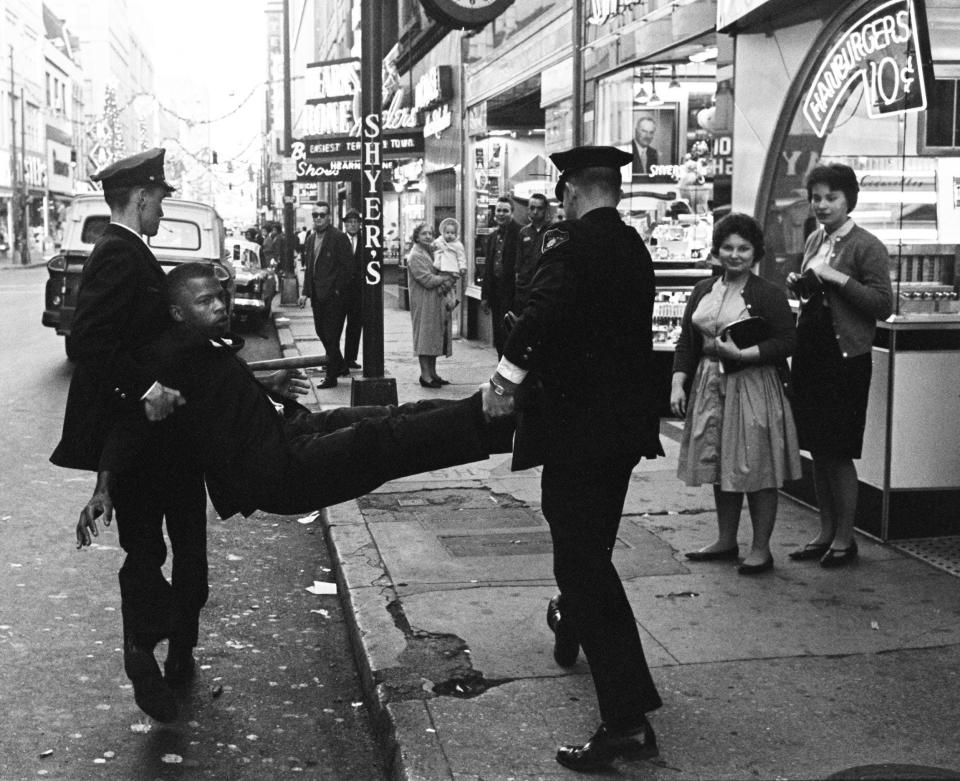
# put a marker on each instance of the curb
(337, 520)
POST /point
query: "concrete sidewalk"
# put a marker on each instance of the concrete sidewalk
(799, 673)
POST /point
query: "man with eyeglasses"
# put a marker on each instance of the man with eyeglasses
(327, 260)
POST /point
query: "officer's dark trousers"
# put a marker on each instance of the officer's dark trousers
(345, 453)
(583, 503)
(153, 608)
(328, 316)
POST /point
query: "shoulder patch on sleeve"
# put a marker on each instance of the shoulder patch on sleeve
(554, 238)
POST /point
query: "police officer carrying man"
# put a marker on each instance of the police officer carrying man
(590, 302)
(120, 308)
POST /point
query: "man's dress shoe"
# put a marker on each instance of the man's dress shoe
(328, 382)
(566, 647)
(606, 745)
(179, 667)
(150, 691)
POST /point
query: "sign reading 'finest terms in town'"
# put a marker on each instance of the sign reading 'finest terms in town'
(883, 49)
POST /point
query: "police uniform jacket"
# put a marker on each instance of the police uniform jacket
(328, 274)
(120, 308)
(585, 337)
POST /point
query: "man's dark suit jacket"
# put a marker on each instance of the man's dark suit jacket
(653, 158)
(328, 275)
(499, 292)
(590, 305)
(120, 308)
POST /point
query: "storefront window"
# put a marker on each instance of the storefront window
(907, 167)
(663, 114)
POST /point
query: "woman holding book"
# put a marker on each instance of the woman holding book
(844, 288)
(739, 433)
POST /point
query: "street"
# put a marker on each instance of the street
(276, 692)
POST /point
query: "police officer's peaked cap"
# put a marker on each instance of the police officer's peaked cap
(143, 169)
(353, 214)
(587, 157)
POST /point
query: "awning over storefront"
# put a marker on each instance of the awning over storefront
(737, 15)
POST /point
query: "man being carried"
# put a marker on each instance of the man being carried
(260, 450)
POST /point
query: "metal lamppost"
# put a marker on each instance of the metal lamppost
(373, 387)
(289, 291)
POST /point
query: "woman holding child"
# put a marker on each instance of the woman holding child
(432, 324)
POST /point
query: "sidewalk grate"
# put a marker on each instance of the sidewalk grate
(940, 552)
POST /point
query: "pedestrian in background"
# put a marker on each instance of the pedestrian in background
(591, 304)
(352, 222)
(121, 308)
(326, 280)
(272, 246)
(432, 328)
(530, 248)
(844, 288)
(450, 258)
(739, 433)
(499, 275)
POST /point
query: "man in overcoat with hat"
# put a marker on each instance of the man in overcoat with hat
(590, 305)
(120, 308)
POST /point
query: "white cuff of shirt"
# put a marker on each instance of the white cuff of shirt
(510, 371)
(151, 391)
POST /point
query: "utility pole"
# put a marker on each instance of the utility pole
(25, 219)
(289, 293)
(13, 159)
(373, 387)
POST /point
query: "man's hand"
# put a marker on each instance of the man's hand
(302, 302)
(160, 402)
(288, 383)
(99, 504)
(485, 306)
(495, 405)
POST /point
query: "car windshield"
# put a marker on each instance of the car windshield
(176, 234)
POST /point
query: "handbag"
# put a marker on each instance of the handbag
(744, 333)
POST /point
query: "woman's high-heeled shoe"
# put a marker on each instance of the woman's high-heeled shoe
(809, 552)
(429, 383)
(839, 558)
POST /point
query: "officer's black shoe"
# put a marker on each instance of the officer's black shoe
(566, 647)
(150, 691)
(606, 745)
(179, 667)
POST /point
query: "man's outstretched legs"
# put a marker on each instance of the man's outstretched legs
(346, 453)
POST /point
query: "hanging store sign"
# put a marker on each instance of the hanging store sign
(432, 96)
(882, 50)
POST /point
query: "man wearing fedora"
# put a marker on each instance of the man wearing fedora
(590, 304)
(120, 308)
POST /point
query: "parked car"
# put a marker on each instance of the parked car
(255, 283)
(189, 231)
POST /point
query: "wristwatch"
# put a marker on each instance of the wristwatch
(498, 388)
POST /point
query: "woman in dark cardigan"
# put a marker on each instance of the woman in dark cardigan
(739, 433)
(844, 289)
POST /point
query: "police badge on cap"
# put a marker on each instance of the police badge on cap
(144, 169)
(587, 157)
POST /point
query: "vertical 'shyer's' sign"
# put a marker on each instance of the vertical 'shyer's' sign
(883, 49)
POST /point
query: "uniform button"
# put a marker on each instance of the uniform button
(844, 355)
(123, 395)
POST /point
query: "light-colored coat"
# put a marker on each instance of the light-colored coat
(432, 327)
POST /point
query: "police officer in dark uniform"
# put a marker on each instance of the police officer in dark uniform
(590, 303)
(120, 308)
